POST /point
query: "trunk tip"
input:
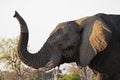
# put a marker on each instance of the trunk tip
(16, 13)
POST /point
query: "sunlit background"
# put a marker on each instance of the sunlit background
(43, 15)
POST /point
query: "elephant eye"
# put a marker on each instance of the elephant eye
(60, 45)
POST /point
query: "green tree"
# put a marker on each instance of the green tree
(85, 73)
(8, 55)
(70, 77)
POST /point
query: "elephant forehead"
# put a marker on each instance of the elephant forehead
(64, 27)
(58, 28)
(79, 21)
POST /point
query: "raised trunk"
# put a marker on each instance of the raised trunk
(36, 60)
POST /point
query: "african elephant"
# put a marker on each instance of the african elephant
(92, 41)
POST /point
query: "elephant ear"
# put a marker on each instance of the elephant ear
(95, 39)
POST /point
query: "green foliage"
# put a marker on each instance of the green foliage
(70, 77)
(8, 51)
(8, 55)
(94, 78)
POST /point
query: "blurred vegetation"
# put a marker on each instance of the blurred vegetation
(16, 70)
(8, 55)
(70, 77)
(85, 73)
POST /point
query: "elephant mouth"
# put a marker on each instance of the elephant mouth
(54, 58)
(48, 67)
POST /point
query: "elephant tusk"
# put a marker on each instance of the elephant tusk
(43, 69)
(49, 66)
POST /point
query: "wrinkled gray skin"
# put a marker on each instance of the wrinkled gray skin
(92, 41)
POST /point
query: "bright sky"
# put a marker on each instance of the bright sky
(43, 15)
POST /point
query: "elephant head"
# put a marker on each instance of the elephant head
(74, 41)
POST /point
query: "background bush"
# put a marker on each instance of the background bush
(70, 77)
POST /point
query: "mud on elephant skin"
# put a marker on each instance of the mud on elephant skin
(92, 41)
